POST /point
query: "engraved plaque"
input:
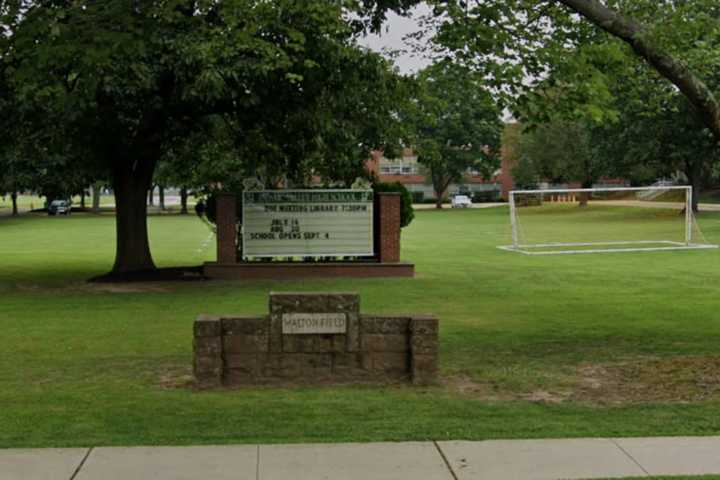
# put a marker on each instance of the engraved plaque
(309, 323)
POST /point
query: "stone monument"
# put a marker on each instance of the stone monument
(315, 338)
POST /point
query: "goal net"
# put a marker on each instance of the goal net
(563, 221)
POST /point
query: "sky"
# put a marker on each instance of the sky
(393, 31)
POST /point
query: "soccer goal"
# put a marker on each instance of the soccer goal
(592, 220)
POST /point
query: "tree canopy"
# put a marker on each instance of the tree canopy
(280, 87)
(222, 89)
(621, 69)
(561, 152)
(455, 123)
(518, 44)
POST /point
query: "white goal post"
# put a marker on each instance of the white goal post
(594, 220)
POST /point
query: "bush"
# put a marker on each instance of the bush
(418, 197)
(406, 200)
(488, 196)
(206, 207)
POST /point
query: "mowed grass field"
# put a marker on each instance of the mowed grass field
(623, 344)
(31, 202)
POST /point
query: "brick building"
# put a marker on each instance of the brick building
(407, 170)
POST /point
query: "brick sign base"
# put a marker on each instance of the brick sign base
(237, 350)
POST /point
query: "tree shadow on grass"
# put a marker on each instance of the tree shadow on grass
(168, 274)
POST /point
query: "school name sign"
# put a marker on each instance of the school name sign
(307, 223)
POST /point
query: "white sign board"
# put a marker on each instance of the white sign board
(307, 223)
(307, 323)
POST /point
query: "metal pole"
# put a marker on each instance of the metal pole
(513, 220)
(688, 215)
(616, 189)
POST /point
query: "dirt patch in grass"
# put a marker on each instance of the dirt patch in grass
(168, 274)
(127, 288)
(666, 380)
(465, 385)
(543, 396)
(644, 380)
(489, 391)
(83, 287)
(178, 378)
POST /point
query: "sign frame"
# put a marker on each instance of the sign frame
(370, 253)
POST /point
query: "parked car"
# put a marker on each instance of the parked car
(60, 207)
(461, 201)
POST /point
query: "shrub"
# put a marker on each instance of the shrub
(406, 200)
(206, 207)
(486, 196)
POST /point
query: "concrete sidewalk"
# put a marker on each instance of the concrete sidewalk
(460, 460)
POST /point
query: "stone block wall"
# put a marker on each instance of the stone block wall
(236, 350)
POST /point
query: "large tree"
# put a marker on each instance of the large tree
(647, 144)
(516, 43)
(601, 63)
(651, 130)
(124, 78)
(455, 123)
(14, 177)
(651, 45)
(562, 152)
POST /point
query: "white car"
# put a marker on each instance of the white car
(461, 201)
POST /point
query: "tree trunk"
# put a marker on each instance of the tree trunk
(151, 195)
(633, 33)
(161, 197)
(130, 187)
(584, 197)
(183, 201)
(695, 177)
(96, 189)
(441, 187)
(14, 196)
(82, 199)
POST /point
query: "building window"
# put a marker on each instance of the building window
(398, 168)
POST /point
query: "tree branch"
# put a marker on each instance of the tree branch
(631, 32)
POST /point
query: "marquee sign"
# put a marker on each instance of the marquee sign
(307, 223)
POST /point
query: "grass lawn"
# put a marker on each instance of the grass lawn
(531, 347)
(30, 202)
(601, 223)
(710, 196)
(24, 202)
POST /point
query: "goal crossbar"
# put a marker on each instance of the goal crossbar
(582, 247)
(610, 189)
